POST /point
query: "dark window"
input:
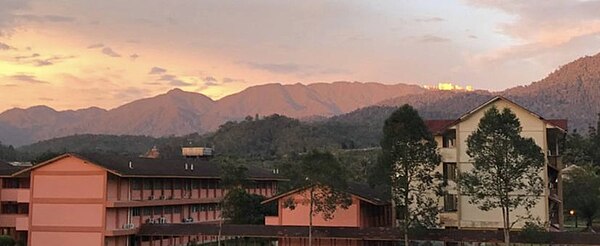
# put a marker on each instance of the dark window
(10, 208)
(147, 211)
(449, 139)
(168, 184)
(449, 171)
(136, 184)
(195, 208)
(187, 185)
(147, 184)
(10, 183)
(450, 203)
(158, 184)
(203, 207)
(177, 209)
(195, 184)
(135, 211)
(158, 210)
(168, 209)
(176, 184)
(204, 184)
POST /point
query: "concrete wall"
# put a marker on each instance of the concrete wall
(67, 203)
(469, 215)
(298, 216)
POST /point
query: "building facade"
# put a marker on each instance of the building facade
(451, 136)
(102, 200)
(369, 208)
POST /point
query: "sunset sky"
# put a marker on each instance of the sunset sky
(76, 54)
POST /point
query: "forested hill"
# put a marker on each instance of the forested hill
(256, 138)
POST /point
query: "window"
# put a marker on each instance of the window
(168, 209)
(203, 208)
(449, 171)
(187, 185)
(147, 211)
(204, 184)
(168, 184)
(158, 184)
(10, 183)
(147, 184)
(450, 203)
(195, 208)
(177, 184)
(158, 210)
(136, 184)
(177, 209)
(135, 211)
(449, 138)
(195, 184)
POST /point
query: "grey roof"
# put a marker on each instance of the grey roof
(6, 169)
(148, 167)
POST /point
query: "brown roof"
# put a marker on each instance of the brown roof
(439, 126)
(362, 191)
(149, 167)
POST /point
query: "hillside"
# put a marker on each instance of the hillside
(178, 112)
(572, 92)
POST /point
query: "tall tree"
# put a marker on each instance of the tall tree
(506, 167)
(325, 179)
(582, 193)
(409, 158)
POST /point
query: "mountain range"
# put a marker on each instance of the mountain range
(572, 92)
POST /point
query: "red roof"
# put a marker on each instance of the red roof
(562, 123)
(438, 126)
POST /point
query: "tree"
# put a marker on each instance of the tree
(239, 206)
(6, 240)
(506, 167)
(408, 160)
(582, 192)
(325, 180)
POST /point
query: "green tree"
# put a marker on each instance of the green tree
(506, 167)
(408, 161)
(239, 206)
(325, 179)
(6, 241)
(582, 192)
(577, 151)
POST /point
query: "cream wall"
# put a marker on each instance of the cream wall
(469, 215)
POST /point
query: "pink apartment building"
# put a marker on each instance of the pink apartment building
(94, 199)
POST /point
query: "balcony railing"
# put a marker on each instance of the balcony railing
(15, 195)
(555, 161)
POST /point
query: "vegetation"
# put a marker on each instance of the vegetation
(506, 167)
(8, 153)
(325, 191)
(582, 193)
(6, 241)
(409, 158)
(239, 206)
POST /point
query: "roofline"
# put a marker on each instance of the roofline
(496, 98)
(306, 187)
(124, 175)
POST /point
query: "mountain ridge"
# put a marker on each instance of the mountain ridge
(572, 91)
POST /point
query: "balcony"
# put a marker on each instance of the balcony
(15, 195)
(448, 154)
(271, 220)
(555, 162)
(19, 221)
(159, 202)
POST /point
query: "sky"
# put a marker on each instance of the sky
(77, 54)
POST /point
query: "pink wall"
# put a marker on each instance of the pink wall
(299, 215)
(67, 203)
(66, 238)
